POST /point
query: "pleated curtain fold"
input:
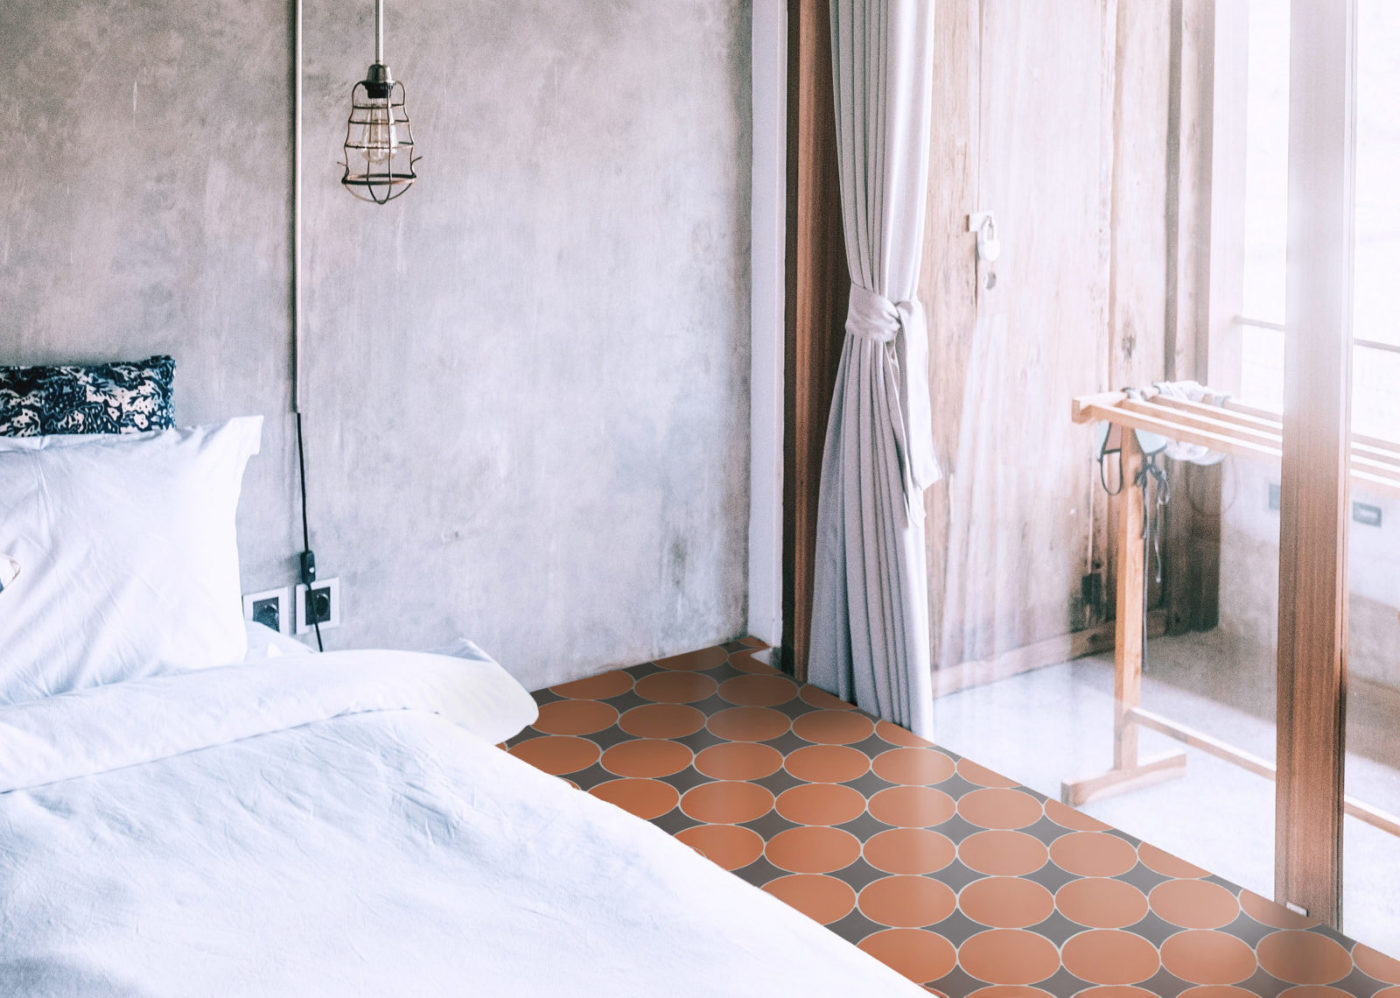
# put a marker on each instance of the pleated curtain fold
(870, 628)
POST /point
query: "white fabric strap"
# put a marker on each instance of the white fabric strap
(872, 316)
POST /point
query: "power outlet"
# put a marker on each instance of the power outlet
(318, 605)
(271, 607)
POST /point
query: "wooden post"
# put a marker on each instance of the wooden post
(1314, 511)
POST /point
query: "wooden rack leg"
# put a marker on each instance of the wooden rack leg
(1128, 772)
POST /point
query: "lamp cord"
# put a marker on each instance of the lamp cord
(308, 560)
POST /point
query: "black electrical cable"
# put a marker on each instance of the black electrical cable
(308, 560)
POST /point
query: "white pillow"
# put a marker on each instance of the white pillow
(130, 556)
(265, 643)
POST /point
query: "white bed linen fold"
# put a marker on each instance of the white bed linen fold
(323, 827)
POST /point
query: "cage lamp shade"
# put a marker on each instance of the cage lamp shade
(379, 155)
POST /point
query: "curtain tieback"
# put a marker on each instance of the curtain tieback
(901, 326)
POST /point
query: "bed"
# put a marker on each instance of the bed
(185, 811)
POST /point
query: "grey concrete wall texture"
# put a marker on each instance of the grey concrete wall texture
(526, 381)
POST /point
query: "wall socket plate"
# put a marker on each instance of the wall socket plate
(272, 607)
(330, 589)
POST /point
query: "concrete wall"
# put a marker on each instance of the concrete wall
(526, 382)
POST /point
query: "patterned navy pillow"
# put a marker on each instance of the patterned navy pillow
(102, 398)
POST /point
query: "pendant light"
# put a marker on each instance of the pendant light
(379, 158)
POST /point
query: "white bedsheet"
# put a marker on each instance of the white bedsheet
(215, 834)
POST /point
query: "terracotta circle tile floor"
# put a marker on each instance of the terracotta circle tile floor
(1000, 808)
(1300, 957)
(1002, 854)
(1315, 991)
(575, 717)
(833, 727)
(1010, 991)
(827, 763)
(918, 954)
(730, 802)
(1383, 968)
(815, 696)
(1067, 817)
(1110, 956)
(912, 807)
(906, 902)
(730, 846)
(661, 720)
(646, 757)
(1194, 904)
(675, 687)
(1270, 913)
(746, 662)
(1217, 991)
(558, 755)
(1166, 864)
(893, 734)
(1006, 902)
(749, 724)
(1101, 903)
(1203, 956)
(1093, 854)
(821, 898)
(600, 687)
(1009, 956)
(812, 849)
(982, 776)
(697, 661)
(739, 761)
(1115, 991)
(909, 850)
(821, 804)
(913, 766)
(758, 691)
(644, 798)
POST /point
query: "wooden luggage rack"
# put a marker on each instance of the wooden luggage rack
(1229, 428)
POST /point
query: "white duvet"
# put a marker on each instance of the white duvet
(329, 825)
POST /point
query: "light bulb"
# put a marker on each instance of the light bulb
(381, 135)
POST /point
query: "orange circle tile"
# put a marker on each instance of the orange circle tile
(1166, 864)
(1076, 821)
(758, 691)
(1000, 808)
(727, 802)
(661, 720)
(1115, 991)
(1101, 903)
(1217, 991)
(1194, 904)
(918, 954)
(913, 766)
(1009, 956)
(909, 850)
(815, 696)
(982, 776)
(827, 763)
(1269, 913)
(645, 798)
(1006, 902)
(729, 846)
(905, 902)
(600, 687)
(1093, 854)
(1001, 853)
(695, 661)
(912, 807)
(1300, 957)
(833, 727)
(744, 661)
(575, 717)
(812, 849)
(748, 724)
(1109, 956)
(739, 761)
(1010, 991)
(557, 754)
(1376, 964)
(821, 898)
(675, 687)
(1203, 956)
(1387, 993)
(1316, 991)
(646, 757)
(821, 804)
(893, 734)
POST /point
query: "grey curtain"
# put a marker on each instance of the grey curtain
(870, 634)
